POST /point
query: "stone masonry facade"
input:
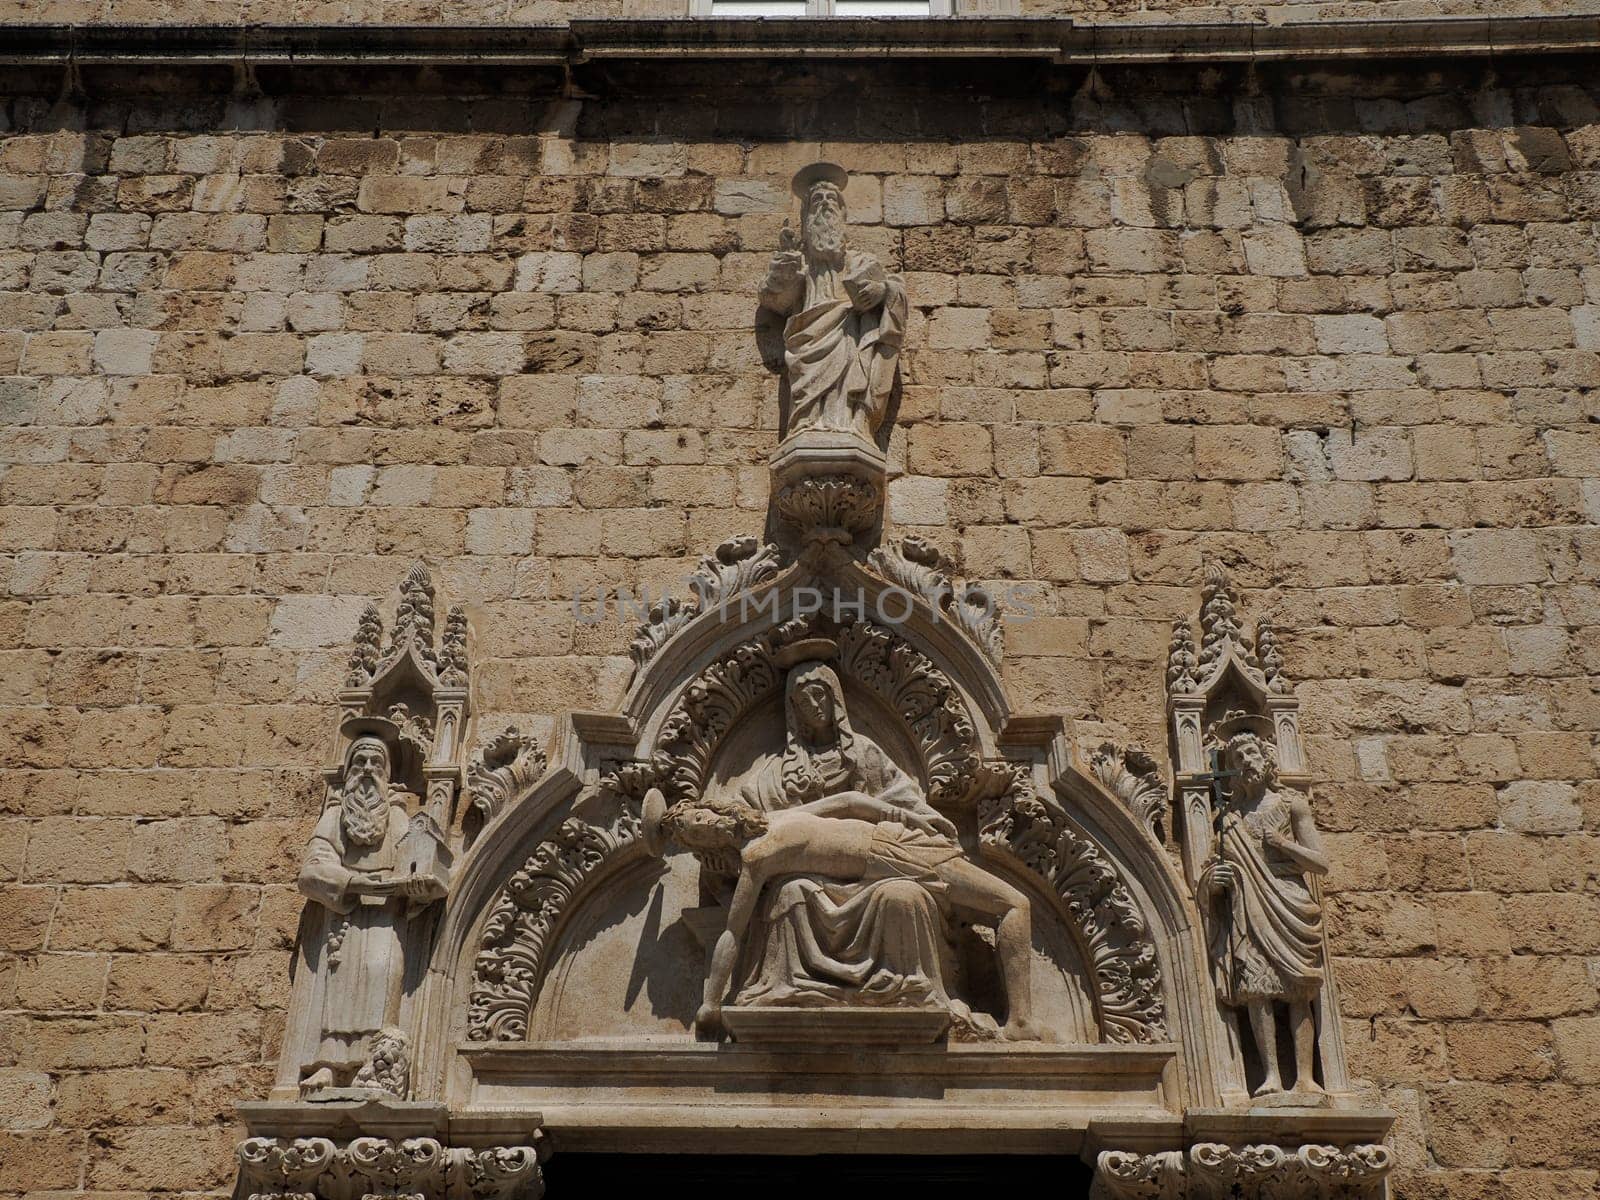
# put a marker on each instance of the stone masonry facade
(259, 353)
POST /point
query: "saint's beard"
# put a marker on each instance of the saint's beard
(825, 240)
(363, 808)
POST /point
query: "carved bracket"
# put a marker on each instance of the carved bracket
(315, 1168)
(1017, 824)
(1213, 1171)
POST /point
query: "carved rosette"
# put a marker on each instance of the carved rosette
(524, 916)
(1213, 1171)
(385, 1169)
(1019, 825)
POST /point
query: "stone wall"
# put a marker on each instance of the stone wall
(555, 12)
(257, 355)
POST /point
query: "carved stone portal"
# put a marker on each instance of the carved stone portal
(814, 885)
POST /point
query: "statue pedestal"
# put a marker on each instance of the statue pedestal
(830, 485)
(769, 1025)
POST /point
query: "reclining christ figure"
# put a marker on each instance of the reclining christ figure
(847, 837)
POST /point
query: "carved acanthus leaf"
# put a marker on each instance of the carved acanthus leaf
(736, 566)
(501, 768)
(1213, 1171)
(453, 649)
(523, 919)
(1134, 778)
(422, 1168)
(906, 679)
(831, 508)
(1183, 663)
(1018, 823)
(916, 566)
(414, 728)
(1270, 658)
(413, 618)
(1219, 618)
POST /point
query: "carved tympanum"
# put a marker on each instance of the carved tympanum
(844, 875)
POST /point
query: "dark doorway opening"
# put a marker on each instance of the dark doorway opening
(820, 1177)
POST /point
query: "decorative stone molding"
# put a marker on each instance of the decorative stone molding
(1214, 1171)
(1127, 1175)
(737, 565)
(1018, 824)
(500, 768)
(418, 1168)
(916, 566)
(524, 916)
(1133, 777)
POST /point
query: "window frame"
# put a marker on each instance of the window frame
(819, 8)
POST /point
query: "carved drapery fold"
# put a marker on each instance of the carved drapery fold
(316, 1168)
(1018, 824)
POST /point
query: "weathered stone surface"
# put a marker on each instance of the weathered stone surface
(244, 373)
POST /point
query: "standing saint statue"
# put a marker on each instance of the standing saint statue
(847, 318)
(1266, 940)
(350, 868)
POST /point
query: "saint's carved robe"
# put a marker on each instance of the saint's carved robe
(363, 947)
(841, 359)
(1267, 943)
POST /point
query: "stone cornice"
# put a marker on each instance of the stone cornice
(1053, 39)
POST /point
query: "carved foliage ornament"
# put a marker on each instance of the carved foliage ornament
(1191, 671)
(501, 768)
(916, 566)
(1018, 824)
(505, 976)
(1212, 1171)
(738, 565)
(1131, 775)
(316, 1169)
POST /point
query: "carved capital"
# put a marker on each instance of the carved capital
(1215, 1171)
(387, 1169)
